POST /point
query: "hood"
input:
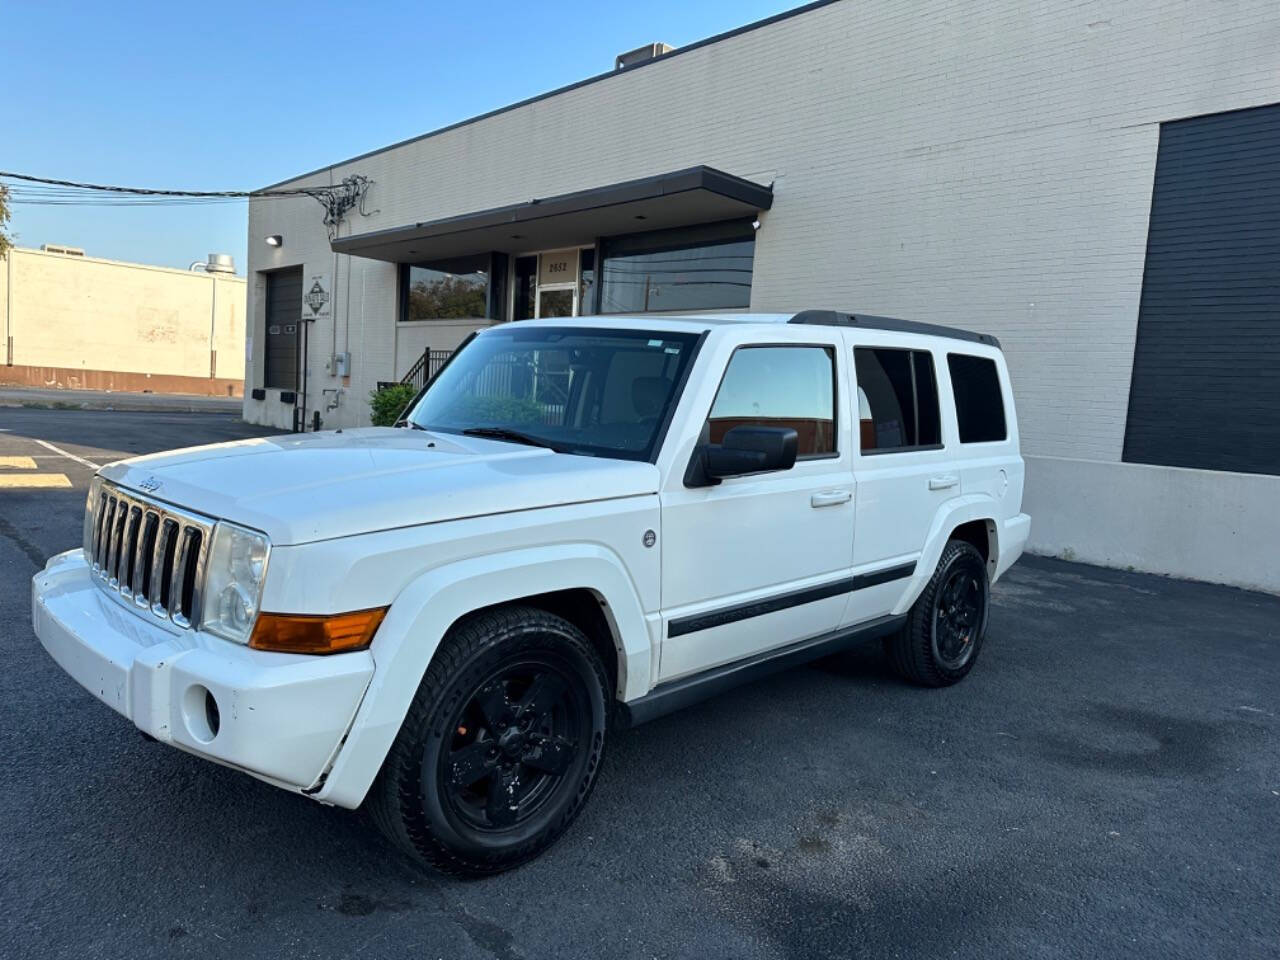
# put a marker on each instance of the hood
(316, 486)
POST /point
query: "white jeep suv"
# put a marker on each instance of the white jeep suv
(579, 525)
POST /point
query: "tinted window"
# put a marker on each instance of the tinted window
(779, 387)
(693, 268)
(447, 289)
(526, 285)
(979, 405)
(578, 390)
(897, 399)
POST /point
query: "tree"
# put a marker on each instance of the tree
(5, 242)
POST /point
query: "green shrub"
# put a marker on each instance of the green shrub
(389, 403)
(502, 410)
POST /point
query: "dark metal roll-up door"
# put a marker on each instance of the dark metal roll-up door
(284, 326)
(1206, 371)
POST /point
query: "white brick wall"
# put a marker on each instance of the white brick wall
(987, 165)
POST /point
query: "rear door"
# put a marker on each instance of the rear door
(760, 561)
(903, 468)
(986, 454)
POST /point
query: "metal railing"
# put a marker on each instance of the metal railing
(426, 367)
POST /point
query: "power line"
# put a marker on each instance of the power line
(336, 199)
(150, 192)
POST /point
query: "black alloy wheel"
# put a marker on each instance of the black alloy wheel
(513, 743)
(959, 608)
(939, 643)
(501, 745)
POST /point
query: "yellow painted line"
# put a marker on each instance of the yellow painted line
(18, 463)
(28, 480)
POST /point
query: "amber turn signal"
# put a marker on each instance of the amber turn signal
(299, 633)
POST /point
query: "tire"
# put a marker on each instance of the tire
(939, 643)
(501, 745)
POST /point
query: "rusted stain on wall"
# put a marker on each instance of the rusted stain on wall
(64, 379)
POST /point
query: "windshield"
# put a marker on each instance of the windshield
(599, 392)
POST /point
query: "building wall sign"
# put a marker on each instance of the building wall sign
(317, 297)
(560, 266)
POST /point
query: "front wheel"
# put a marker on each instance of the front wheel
(501, 745)
(940, 641)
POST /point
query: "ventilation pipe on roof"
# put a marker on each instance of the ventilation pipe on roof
(217, 263)
(640, 55)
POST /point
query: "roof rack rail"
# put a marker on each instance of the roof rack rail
(832, 318)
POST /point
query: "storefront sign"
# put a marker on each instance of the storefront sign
(317, 297)
(558, 267)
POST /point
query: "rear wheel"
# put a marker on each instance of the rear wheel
(940, 641)
(501, 745)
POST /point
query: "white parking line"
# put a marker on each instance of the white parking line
(23, 481)
(70, 456)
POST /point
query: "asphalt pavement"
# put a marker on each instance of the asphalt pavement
(1106, 783)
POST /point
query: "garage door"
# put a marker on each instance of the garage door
(1206, 372)
(284, 328)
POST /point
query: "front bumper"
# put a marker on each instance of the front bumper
(280, 717)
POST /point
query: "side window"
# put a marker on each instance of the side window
(897, 399)
(979, 405)
(780, 387)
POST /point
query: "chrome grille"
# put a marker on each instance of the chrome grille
(149, 554)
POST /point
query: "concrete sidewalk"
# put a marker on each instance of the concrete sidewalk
(55, 399)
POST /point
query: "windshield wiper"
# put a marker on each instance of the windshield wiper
(514, 436)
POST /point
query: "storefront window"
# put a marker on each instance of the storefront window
(692, 268)
(526, 287)
(447, 289)
(587, 283)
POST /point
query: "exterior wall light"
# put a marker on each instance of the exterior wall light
(275, 240)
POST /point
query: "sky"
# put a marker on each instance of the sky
(232, 95)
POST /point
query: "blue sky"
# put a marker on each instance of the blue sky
(231, 95)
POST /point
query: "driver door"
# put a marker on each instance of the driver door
(761, 561)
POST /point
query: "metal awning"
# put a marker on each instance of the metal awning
(686, 197)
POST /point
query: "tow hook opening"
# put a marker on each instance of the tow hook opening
(200, 710)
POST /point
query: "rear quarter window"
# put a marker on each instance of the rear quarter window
(975, 381)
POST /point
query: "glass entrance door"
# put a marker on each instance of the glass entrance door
(557, 303)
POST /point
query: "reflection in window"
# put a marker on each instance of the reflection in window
(587, 282)
(603, 392)
(779, 387)
(693, 268)
(447, 289)
(526, 286)
(897, 399)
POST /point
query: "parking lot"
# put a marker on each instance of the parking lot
(1105, 783)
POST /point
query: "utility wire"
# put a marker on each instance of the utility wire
(148, 192)
(336, 199)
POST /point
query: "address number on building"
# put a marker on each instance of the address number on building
(561, 267)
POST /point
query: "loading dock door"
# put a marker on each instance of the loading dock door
(1206, 372)
(284, 328)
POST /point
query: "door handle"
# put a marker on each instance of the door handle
(830, 498)
(943, 483)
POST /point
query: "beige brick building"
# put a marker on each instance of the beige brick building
(78, 322)
(1010, 167)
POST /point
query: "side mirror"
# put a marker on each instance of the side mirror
(743, 450)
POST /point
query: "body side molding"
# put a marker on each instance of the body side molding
(756, 608)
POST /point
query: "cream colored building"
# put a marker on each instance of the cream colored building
(1095, 183)
(78, 322)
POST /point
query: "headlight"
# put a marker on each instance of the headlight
(90, 505)
(236, 567)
